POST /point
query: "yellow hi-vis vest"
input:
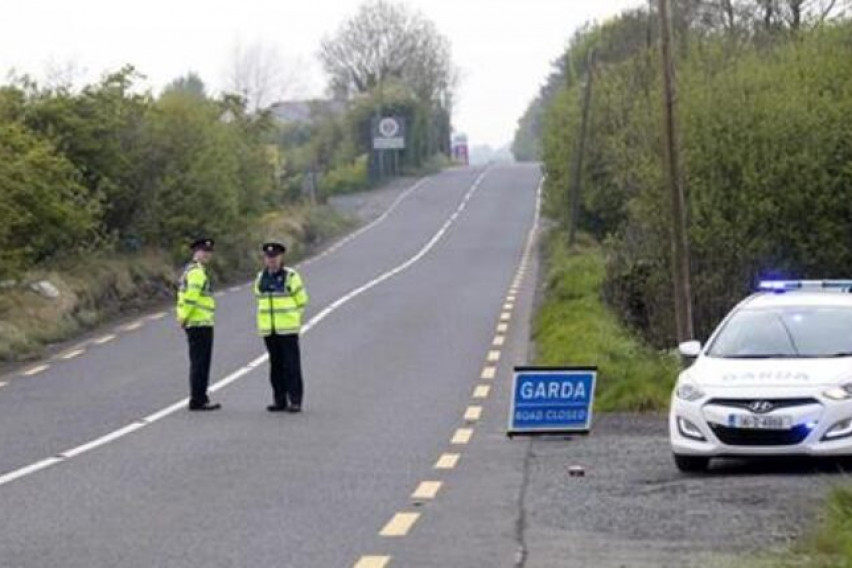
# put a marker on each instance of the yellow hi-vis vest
(195, 305)
(281, 300)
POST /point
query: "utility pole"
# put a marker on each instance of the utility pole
(581, 149)
(680, 245)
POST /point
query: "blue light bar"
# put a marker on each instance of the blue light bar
(780, 286)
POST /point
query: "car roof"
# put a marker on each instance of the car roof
(763, 300)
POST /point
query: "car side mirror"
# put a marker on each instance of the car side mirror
(690, 349)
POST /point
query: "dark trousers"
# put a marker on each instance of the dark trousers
(285, 368)
(200, 354)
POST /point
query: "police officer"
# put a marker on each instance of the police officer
(195, 313)
(281, 301)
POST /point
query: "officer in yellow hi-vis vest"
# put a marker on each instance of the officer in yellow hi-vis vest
(281, 300)
(196, 309)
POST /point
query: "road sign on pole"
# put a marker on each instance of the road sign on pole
(552, 400)
(388, 133)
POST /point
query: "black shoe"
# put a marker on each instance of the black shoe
(277, 408)
(205, 406)
(294, 408)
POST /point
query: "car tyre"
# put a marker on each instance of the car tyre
(691, 464)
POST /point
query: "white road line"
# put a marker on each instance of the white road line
(35, 370)
(104, 339)
(340, 244)
(234, 289)
(72, 354)
(2, 384)
(159, 415)
(157, 316)
(131, 326)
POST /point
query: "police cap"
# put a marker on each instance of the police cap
(204, 244)
(273, 249)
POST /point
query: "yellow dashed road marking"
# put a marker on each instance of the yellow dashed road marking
(72, 354)
(462, 436)
(482, 391)
(508, 306)
(505, 316)
(447, 461)
(473, 413)
(427, 490)
(35, 370)
(511, 298)
(372, 562)
(493, 356)
(104, 339)
(502, 328)
(400, 524)
(489, 373)
(499, 340)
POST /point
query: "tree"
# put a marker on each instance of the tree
(259, 75)
(190, 84)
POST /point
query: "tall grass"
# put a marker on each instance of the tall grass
(573, 326)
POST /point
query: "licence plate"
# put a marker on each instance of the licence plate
(754, 422)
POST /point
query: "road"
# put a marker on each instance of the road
(400, 458)
(102, 466)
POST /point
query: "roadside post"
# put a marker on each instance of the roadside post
(552, 400)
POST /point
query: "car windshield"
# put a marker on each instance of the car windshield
(786, 332)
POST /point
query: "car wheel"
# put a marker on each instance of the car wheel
(691, 464)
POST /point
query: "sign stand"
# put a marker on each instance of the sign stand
(550, 401)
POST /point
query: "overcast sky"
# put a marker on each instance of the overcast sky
(503, 47)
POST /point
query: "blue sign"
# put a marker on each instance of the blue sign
(552, 400)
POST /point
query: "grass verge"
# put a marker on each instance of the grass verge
(573, 326)
(94, 289)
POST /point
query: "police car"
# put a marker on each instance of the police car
(775, 378)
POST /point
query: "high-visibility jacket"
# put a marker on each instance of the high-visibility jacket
(196, 306)
(281, 300)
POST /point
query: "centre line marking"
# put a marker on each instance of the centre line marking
(427, 490)
(104, 339)
(511, 298)
(157, 316)
(502, 327)
(72, 354)
(505, 316)
(493, 356)
(234, 289)
(473, 413)
(508, 306)
(482, 391)
(489, 373)
(241, 372)
(400, 524)
(462, 436)
(447, 461)
(35, 370)
(372, 562)
(3, 385)
(499, 340)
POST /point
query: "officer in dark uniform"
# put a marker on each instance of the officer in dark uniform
(281, 300)
(196, 309)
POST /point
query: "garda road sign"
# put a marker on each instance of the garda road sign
(552, 400)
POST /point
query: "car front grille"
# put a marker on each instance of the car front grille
(753, 437)
(743, 403)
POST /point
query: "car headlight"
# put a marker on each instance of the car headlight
(843, 392)
(689, 392)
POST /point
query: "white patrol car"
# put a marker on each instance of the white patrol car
(775, 378)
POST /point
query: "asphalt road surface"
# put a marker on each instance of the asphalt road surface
(100, 465)
(400, 458)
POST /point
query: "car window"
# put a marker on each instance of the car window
(786, 332)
